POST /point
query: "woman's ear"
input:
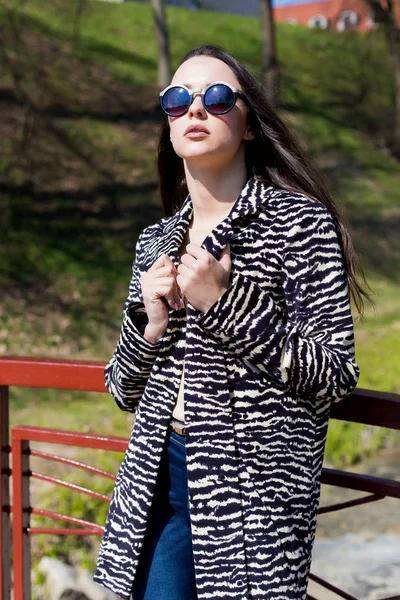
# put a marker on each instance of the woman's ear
(249, 135)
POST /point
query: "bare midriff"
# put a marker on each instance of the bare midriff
(194, 237)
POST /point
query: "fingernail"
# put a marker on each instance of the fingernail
(175, 306)
(181, 301)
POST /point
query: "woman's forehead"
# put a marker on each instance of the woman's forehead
(199, 71)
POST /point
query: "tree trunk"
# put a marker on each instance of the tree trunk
(385, 14)
(164, 67)
(269, 59)
(80, 6)
(393, 39)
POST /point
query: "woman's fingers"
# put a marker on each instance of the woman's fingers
(166, 287)
(164, 271)
(162, 260)
(174, 296)
(178, 295)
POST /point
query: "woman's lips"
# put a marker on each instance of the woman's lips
(195, 131)
(196, 134)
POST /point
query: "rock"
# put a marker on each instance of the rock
(365, 567)
(64, 582)
(85, 582)
(60, 580)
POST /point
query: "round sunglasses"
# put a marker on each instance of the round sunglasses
(218, 98)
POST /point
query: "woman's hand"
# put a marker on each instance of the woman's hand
(159, 288)
(201, 277)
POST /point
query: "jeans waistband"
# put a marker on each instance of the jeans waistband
(177, 426)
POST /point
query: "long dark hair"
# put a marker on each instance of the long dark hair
(273, 157)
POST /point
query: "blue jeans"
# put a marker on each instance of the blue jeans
(166, 570)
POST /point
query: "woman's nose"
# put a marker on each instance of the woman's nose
(196, 108)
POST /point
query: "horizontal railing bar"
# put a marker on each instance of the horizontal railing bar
(69, 438)
(62, 531)
(53, 373)
(361, 406)
(360, 482)
(332, 588)
(59, 517)
(69, 461)
(341, 505)
(369, 407)
(70, 486)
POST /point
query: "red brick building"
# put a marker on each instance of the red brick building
(342, 15)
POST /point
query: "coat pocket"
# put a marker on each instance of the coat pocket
(286, 505)
(280, 529)
(281, 475)
(294, 532)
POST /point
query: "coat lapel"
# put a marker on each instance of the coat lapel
(253, 195)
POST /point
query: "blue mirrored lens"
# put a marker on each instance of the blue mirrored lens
(219, 99)
(176, 101)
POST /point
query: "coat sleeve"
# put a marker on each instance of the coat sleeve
(305, 345)
(127, 372)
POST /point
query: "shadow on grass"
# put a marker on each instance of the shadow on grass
(121, 111)
(108, 50)
(84, 235)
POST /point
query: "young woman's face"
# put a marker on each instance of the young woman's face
(226, 133)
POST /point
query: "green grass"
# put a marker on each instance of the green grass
(79, 183)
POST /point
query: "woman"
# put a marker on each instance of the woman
(217, 496)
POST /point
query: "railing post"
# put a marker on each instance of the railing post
(5, 523)
(21, 519)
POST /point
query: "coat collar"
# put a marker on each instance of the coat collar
(253, 194)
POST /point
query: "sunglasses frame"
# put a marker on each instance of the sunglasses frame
(237, 94)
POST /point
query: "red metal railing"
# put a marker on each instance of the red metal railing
(41, 373)
(363, 406)
(22, 509)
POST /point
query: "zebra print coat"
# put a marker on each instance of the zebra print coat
(262, 366)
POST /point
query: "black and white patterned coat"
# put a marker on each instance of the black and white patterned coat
(262, 366)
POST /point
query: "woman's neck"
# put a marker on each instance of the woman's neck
(213, 193)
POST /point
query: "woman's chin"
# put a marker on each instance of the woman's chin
(195, 151)
(201, 156)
